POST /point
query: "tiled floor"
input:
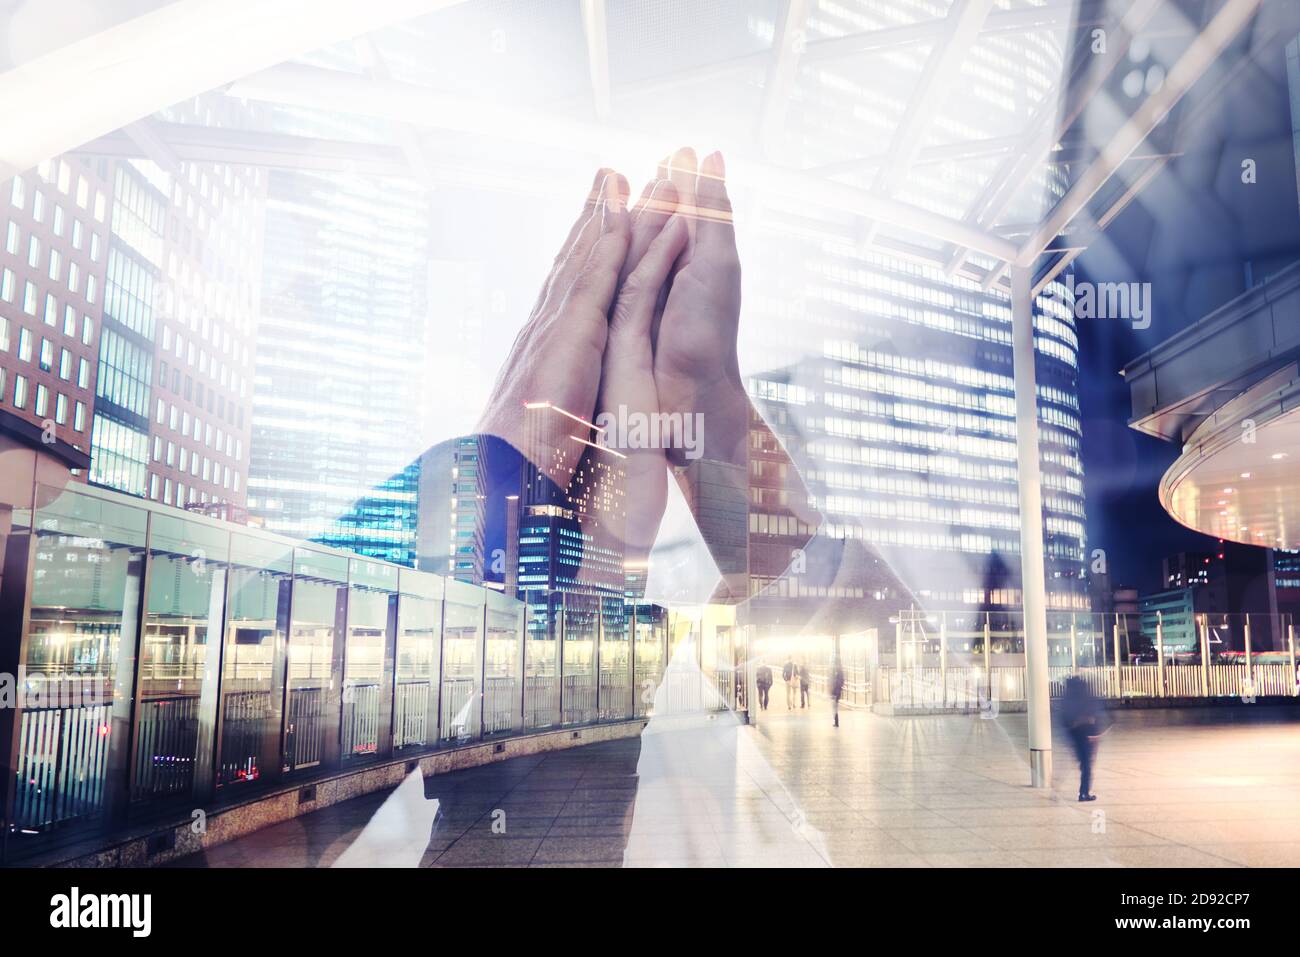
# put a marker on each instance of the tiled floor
(1203, 788)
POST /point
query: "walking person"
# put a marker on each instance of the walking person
(791, 675)
(1082, 716)
(837, 689)
(805, 684)
(763, 679)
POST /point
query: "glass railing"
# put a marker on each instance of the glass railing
(172, 661)
(968, 659)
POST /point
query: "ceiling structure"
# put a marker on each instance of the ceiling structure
(99, 94)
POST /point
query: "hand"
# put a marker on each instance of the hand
(628, 395)
(555, 356)
(696, 367)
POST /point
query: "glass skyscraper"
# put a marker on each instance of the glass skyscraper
(337, 410)
(887, 377)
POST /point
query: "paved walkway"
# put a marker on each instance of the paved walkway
(1197, 788)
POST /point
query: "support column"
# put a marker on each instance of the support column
(1290, 646)
(943, 656)
(1074, 645)
(1033, 581)
(1160, 652)
(1205, 656)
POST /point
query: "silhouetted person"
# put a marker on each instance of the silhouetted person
(805, 684)
(791, 674)
(764, 682)
(1081, 715)
(837, 689)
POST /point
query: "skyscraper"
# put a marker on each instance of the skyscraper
(890, 379)
(337, 412)
(144, 281)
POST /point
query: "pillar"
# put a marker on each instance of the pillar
(1033, 580)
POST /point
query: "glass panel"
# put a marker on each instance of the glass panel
(85, 598)
(419, 638)
(501, 665)
(462, 634)
(187, 591)
(615, 659)
(257, 615)
(650, 632)
(318, 588)
(581, 625)
(373, 587)
(542, 661)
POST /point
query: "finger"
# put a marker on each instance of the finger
(592, 289)
(588, 210)
(714, 226)
(663, 166)
(648, 219)
(639, 292)
(682, 170)
(575, 261)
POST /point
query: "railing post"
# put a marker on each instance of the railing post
(1250, 679)
(1205, 656)
(1290, 644)
(1074, 645)
(1119, 673)
(943, 656)
(1160, 651)
(988, 667)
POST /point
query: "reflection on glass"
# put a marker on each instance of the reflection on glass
(501, 665)
(615, 659)
(542, 661)
(187, 585)
(581, 628)
(318, 589)
(462, 633)
(256, 625)
(85, 593)
(419, 636)
(649, 635)
(373, 588)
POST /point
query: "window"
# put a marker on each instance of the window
(18, 195)
(20, 392)
(47, 355)
(12, 239)
(42, 400)
(61, 409)
(33, 252)
(83, 374)
(78, 234)
(7, 285)
(38, 206)
(90, 289)
(94, 247)
(65, 365)
(87, 330)
(25, 345)
(74, 277)
(56, 265)
(51, 310)
(79, 417)
(29, 298)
